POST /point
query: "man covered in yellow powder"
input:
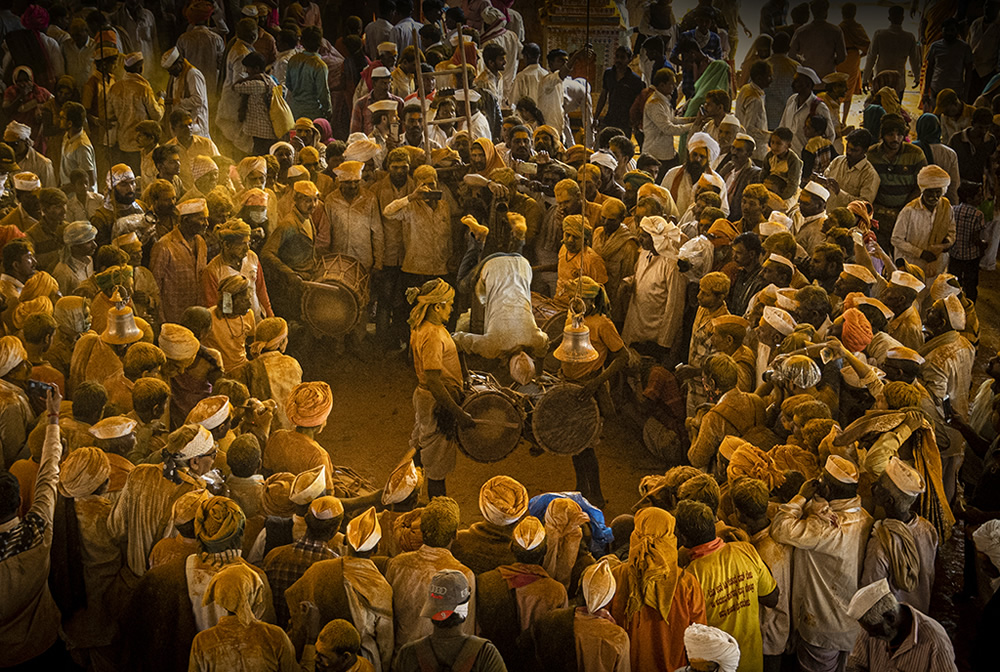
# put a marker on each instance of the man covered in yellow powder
(601, 645)
(487, 544)
(215, 414)
(515, 596)
(98, 357)
(576, 253)
(72, 316)
(359, 592)
(142, 511)
(439, 383)
(271, 374)
(233, 323)
(236, 258)
(712, 292)
(168, 607)
(182, 521)
(296, 450)
(237, 590)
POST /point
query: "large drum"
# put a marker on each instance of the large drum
(336, 300)
(499, 421)
(564, 424)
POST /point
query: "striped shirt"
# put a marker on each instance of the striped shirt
(926, 649)
(969, 225)
(898, 177)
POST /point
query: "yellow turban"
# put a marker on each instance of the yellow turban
(933, 177)
(715, 282)
(83, 472)
(218, 523)
(185, 507)
(575, 225)
(12, 353)
(502, 500)
(237, 589)
(41, 304)
(406, 529)
(251, 164)
(563, 519)
(309, 404)
(233, 228)
(39, 284)
(613, 208)
(271, 332)
(442, 292)
(275, 500)
(178, 343)
(748, 460)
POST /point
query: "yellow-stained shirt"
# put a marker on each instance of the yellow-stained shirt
(605, 338)
(434, 350)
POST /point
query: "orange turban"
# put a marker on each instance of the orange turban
(309, 404)
(857, 330)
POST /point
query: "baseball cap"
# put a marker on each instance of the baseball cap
(447, 594)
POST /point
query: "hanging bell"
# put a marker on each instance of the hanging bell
(575, 347)
(121, 328)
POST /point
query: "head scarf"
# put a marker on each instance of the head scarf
(576, 225)
(271, 332)
(218, 522)
(652, 563)
(889, 99)
(545, 129)
(861, 210)
(493, 160)
(442, 293)
(563, 519)
(503, 501)
(703, 642)
(748, 460)
(83, 472)
(12, 353)
(70, 313)
(251, 164)
(857, 330)
(928, 135)
(275, 500)
(705, 141)
(662, 231)
(177, 342)
(237, 589)
(309, 404)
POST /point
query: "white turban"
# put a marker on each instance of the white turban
(16, 131)
(177, 342)
(361, 150)
(933, 177)
(987, 539)
(956, 312)
(598, 586)
(703, 642)
(662, 231)
(705, 140)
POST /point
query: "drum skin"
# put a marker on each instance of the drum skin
(337, 298)
(564, 424)
(498, 435)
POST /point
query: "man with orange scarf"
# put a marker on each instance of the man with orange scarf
(655, 599)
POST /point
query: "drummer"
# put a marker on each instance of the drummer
(593, 376)
(290, 249)
(437, 398)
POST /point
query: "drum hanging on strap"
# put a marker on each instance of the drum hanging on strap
(499, 422)
(564, 424)
(335, 301)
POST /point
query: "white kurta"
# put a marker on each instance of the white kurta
(355, 228)
(947, 370)
(795, 115)
(505, 288)
(911, 236)
(684, 192)
(194, 100)
(654, 313)
(828, 560)
(203, 48)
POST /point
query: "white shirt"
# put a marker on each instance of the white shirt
(195, 102)
(659, 127)
(684, 193)
(795, 115)
(859, 182)
(512, 46)
(752, 114)
(545, 88)
(911, 236)
(203, 48)
(77, 154)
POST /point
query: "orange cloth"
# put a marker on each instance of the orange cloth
(857, 330)
(658, 645)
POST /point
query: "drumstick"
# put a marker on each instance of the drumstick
(499, 423)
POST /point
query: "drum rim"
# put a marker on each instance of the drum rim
(310, 289)
(518, 412)
(534, 420)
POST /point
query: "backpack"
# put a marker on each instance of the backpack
(429, 662)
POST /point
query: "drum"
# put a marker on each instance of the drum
(544, 307)
(499, 422)
(564, 424)
(336, 300)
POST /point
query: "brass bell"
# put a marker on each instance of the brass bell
(121, 328)
(576, 347)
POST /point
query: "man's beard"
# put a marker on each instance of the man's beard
(127, 199)
(694, 171)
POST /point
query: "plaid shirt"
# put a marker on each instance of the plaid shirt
(286, 564)
(969, 225)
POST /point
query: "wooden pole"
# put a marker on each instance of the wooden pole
(423, 97)
(465, 80)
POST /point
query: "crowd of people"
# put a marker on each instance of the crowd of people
(780, 306)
